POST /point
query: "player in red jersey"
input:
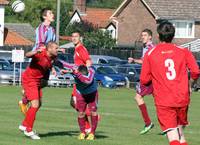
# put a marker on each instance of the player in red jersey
(32, 79)
(81, 57)
(43, 34)
(142, 90)
(166, 66)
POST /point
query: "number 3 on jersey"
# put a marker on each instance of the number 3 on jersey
(171, 74)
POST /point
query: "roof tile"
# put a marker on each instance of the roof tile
(98, 16)
(4, 2)
(175, 9)
(14, 39)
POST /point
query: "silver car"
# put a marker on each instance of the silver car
(60, 80)
(7, 74)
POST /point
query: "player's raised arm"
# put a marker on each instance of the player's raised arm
(30, 54)
(145, 77)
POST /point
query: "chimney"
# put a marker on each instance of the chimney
(80, 6)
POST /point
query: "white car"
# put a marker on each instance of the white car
(60, 80)
(7, 74)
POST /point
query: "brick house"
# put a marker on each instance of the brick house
(132, 16)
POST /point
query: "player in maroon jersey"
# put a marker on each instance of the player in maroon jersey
(166, 66)
(142, 90)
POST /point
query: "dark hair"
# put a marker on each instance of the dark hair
(77, 33)
(43, 13)
(83, 69)
(148, 31)
(166, 31)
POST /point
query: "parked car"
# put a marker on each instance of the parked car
(7, 74)
(107, 76)
(110, 60)
(60, 80)
(131, 71)
(66, 57)
(25, 64)
(2, 59)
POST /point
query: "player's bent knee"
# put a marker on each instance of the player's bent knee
(138, 97)
(94, 113)
(81, 115)
(35, 103)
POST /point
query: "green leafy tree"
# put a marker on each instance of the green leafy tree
(81, 27)
(98, 39)
(31, 14)
(93, 37)
(113, 4)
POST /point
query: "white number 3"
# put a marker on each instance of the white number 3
(171, 74)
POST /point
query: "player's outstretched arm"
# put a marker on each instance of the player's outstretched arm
(30, 54)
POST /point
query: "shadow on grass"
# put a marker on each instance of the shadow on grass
(99, 135)
(60, 133)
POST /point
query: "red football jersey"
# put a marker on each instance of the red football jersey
(39, 67)
(81, 55)
(167, 65)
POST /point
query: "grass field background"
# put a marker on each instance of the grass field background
(57, 122)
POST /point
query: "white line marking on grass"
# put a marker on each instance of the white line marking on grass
(106, 114)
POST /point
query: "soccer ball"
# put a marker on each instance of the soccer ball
(18, 6)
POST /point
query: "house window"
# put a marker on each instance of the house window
(184, 29)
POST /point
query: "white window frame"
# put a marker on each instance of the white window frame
(185, 21)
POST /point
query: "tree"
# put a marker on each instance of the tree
(99, 39)
(81, 27)
(31, 14)
(113, 4)
(93, 37)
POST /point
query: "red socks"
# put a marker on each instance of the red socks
(94, 120)
(81, 123)
(30, 118)
(175, 142)
(145, 115)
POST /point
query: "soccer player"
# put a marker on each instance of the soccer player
(86, 95)
(44, 34)
(32, 79)
(142, 90)
(166, 66)
(81, 57)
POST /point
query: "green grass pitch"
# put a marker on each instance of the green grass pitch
(57, 122)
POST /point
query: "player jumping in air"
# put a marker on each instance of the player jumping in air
(32, 79)
(166, 67)
(142, 90)
(44, 34)
(86, 96)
